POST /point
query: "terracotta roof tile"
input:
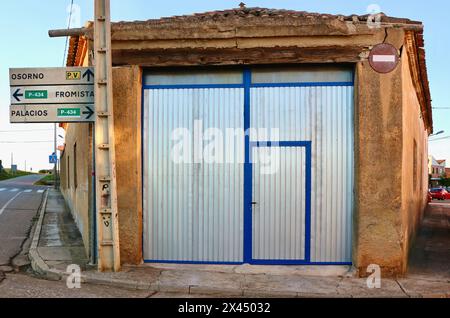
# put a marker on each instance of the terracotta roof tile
(257, 12)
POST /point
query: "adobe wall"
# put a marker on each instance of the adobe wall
(127, 88)
(378, 167)
(77, 194)
(388, 208)
(414, 177)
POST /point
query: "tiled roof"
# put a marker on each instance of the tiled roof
(256, 12)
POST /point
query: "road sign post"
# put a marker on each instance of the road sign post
(69, 95)
(105, 166)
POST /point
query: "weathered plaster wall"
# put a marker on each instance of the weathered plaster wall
(127, 122)
(77, 194)
(414, 192)
(378, 164)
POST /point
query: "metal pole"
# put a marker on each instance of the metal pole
(54, 147)
(67, 32)
(105, 167)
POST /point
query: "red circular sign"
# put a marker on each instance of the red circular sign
(383, 58)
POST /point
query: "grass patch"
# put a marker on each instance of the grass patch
(7, 174)
(46, 180)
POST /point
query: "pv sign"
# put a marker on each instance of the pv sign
(52, 95)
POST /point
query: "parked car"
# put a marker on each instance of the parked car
(440, 194)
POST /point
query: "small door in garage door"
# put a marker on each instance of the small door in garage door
(281, 201)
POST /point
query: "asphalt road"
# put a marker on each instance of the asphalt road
(19, 203)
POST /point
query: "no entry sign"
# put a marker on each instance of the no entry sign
(383, 58)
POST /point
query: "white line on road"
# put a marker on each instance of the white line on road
(7, 203)
(14, 190)
(40, 191)
(28, 191)
(2, 189)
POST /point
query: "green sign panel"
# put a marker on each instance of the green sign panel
(41, 94)
(69, 112)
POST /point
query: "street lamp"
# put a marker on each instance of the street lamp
(438, 133)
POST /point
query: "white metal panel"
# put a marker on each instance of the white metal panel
(193, 211)
(279, 207)
(303, 74)
(323, 115)
(193, 77)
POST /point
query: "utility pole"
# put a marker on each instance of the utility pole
(105, 167)
(55, 168)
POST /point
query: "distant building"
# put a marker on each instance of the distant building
(436, 170)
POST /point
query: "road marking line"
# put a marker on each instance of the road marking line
(2, 189)
(7, 203)
(40, 191)
(14, 190)
(27, 191)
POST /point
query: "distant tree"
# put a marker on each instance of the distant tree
(445, 182)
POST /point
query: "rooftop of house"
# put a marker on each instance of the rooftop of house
(266, 13)
(235, 24)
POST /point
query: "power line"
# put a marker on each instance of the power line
(448, 137)
(25, 142)
(440, 107)
(67, 38)
(32, 130)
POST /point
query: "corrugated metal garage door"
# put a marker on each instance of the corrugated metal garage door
(235, 212)
(194, 209)
(322, 115)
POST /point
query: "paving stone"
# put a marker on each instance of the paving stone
(425, 288)
(183, 279)
(357, 287)
(290, 284)
(6, 269)
(319, 271)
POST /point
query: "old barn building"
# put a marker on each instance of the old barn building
(350, 185)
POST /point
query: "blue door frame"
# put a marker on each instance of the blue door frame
(248, 171)
(248, 208)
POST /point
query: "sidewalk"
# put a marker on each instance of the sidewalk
(57, 243)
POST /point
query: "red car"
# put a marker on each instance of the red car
(440, 194)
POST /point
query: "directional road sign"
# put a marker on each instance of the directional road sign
(51, 76)
(52, 95)
(51, 113)
(61, 94)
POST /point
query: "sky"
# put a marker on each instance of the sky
(25, 43)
